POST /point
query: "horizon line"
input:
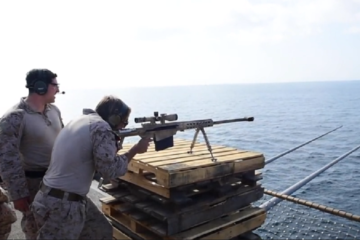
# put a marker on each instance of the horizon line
(218, 84)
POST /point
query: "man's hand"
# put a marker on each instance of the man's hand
(22, 204)
(143, 145)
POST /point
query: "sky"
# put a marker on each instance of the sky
(113, 43)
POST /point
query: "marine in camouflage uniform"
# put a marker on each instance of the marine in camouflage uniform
(27, 133)
(87, 144)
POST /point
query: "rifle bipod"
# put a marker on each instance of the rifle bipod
(206, 140)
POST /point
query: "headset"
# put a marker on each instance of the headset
(40, 87)
(115, 119)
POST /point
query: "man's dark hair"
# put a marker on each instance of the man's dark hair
(111, 105)
(34, 75)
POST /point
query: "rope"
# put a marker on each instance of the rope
(314, 205)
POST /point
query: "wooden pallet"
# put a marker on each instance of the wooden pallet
(168, 218)
(226, 227)
(186, 195)
(175, 167)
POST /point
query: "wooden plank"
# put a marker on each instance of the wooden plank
(142, 224)
(161, 174)
(167, 218)
(131, 228)
(186, 157)
(118, 235)
(139, 180)
(172, 170)
(237, 229)
(179, 153)
(134, 220)
(118, 225)
(196, 203)
(202, 161)
(176, 180)
(226, 227)
(169, 179)
(187, 194)
(213, 171)
(163, 209)
(217, 224)
(178, 223)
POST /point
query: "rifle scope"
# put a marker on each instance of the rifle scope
(156, 117)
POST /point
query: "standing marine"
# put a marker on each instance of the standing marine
(27, 134)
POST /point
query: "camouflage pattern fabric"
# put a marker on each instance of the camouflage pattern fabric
(28, 224)
(7, 215)
(11, 169)
(12, 126)
(63, 219)
(5, 231)
(108, 163)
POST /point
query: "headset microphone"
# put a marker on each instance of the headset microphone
(63, 92)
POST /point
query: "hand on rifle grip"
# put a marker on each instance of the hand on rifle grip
(143, 145)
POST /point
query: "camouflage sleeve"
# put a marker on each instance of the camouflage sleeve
(11, 169)
(107, 162)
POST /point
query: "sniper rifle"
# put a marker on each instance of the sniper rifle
(162, 133)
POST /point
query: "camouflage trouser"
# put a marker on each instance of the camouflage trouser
(5, 231)
(28, 224)
(63, 219)
(7, 215)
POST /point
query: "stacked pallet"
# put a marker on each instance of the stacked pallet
(172, 194)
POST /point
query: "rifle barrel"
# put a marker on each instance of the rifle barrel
(245, 119)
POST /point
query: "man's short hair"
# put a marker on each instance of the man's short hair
(112, 106)
(35, 75)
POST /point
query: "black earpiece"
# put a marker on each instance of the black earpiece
(115, 119)
(40, 87)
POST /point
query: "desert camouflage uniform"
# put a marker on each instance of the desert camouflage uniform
(59, 218)
(15, 143)
(7, 214)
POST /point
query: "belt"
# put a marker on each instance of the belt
(35, 174)
(57, 193)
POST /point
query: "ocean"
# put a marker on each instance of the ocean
(286, 115)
